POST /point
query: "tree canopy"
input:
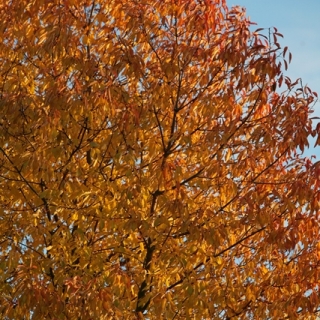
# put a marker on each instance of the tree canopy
(151, 165)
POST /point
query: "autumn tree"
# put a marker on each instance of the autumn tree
(150, 165)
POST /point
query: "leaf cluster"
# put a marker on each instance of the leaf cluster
(150, 165)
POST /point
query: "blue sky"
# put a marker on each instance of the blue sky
(299, 22)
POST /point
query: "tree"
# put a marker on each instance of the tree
(150, 165)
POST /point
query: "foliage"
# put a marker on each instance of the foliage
(150, 166)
